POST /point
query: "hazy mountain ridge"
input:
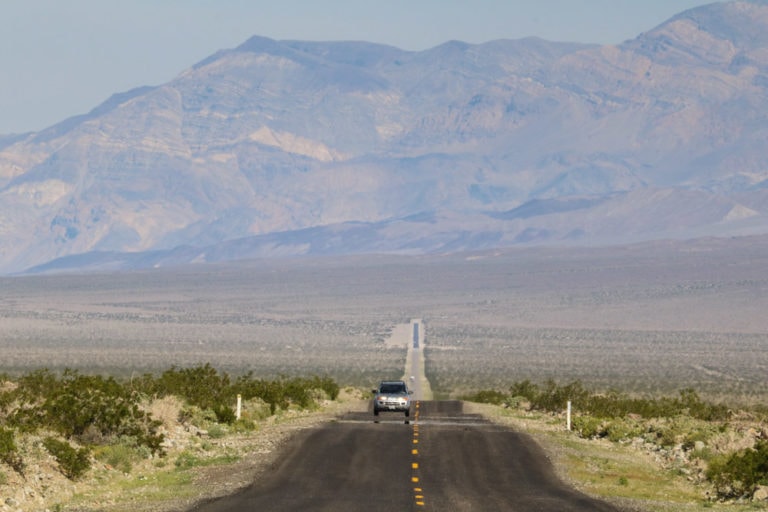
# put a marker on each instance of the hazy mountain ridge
(328, 148)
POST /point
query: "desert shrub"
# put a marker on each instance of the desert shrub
(216, 431)
(739, 473)
(284, 392)
(297, 391)
(122, 453)
(36, 384)
(525, 389)
(206, 388)
(613, 404)
(695, 407)
(589, 427)
(73, 463)
(488, 396)
(621, 429)
(325, 384)
(193, 415)
(255, 409)
(95, 410)
(90, 408)
(118, 456)
(201, 386)
(702, 432)
(666, 432)
(186, 460)
(225, 414)
(517, 402)
(270, 392)
(9, 451)
(615, 429)
(553, 397)
(245, 424)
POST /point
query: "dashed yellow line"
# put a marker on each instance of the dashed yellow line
(417, 491)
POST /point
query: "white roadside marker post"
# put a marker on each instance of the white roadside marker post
(568, 417)
(239, 406)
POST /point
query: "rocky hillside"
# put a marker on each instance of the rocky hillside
(292, 147)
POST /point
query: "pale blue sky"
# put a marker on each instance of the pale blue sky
(61, 58)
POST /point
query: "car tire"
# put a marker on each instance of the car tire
(375, 412)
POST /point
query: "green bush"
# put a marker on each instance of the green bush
(73, 463)
(225, 414)
(9, 452)
(622, 429)
(206, 388)
(552, 397)
(186, 460)
(555, 398)
(738, 474)
(284, 392)
(589, 427)
(488, 396)
(525, 389)
(97, 411)
(119, 456)
(326, 384)
(201, 386)
(216, 431)
(91, 408)
(698, 433)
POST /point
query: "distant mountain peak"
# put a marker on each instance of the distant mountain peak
(278, 148)
(741, 25)
(260, 44)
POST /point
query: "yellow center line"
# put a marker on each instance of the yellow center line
(418, 492)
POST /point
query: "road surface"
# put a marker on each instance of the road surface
(444, 460)
(414, 362)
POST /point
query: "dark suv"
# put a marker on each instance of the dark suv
(392, 395)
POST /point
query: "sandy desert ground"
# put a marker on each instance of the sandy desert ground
(643, 318)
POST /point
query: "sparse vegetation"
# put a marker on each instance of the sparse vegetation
(9, 452)
(108, 421)
(689, 429)
(738, 474)
(88, 408)
(73, 462)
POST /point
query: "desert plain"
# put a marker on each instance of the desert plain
(645, 319)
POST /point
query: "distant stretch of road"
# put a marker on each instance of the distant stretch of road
(414, 366)
(445, 460)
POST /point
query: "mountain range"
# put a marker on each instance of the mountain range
(289, 148)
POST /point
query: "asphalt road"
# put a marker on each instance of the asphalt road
(444, 460)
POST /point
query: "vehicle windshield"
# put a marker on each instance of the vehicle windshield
(392, 388)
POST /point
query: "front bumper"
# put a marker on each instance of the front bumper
(391, 405)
